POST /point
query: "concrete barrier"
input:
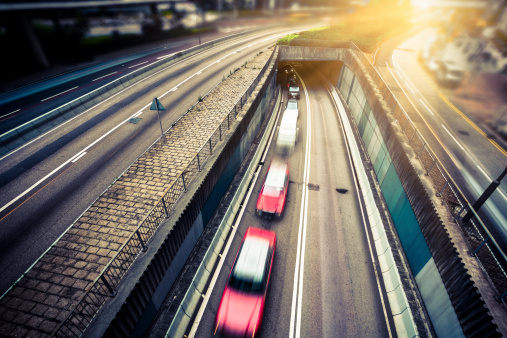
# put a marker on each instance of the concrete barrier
(196, 290)
(28, 131)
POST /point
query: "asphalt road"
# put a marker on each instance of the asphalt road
(48, 183)
(323, 281)
(471, 159)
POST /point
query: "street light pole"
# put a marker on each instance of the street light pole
(478, 204)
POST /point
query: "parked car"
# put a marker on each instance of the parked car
(273, 194)
(241, 308)
(288, 132)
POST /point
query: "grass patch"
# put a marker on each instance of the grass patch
(368, 28)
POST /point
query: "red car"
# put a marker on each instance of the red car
(273, 194)
(242, 304)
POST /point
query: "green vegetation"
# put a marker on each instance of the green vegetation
(368, 28)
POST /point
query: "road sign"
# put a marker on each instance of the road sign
(156, 105)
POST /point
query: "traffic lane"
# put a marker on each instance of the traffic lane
(276, 317)
(38, 220)
(341, 295)
(81, 83)
(477, 162)
(433, 102)
(38, 213)
(186, 89)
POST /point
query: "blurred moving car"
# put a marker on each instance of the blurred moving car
(294, 91)
(242, 305)
(273, 194)
(292, 104)
(288, 131)
(450, 73)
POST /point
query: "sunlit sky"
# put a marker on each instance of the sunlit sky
(449, 3)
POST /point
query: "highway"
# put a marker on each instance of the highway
(324, 282)
(49, 182)
(471, 158)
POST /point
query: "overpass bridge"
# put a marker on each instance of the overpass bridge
(114, 258)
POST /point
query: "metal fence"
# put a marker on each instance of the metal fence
(104, 286)
(484, 247)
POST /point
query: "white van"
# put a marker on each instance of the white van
(288, 131)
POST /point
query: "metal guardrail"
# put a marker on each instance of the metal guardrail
(484, 247)
(104, 286)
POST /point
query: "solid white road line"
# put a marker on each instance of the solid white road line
(142, 63)
(297, 293)
(452, 137)
(104, 76)
(68, 90)
(209, 291)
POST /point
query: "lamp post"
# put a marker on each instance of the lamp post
(485, 195)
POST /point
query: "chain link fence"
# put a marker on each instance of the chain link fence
(104, 286)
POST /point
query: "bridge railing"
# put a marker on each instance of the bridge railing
(104, 286)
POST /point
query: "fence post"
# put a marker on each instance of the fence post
(198, 164)
(228, 122)
(210, 146)
(428, 172)
(183, 179)
(459, 212)
(420, 151)
(112, 292)
(220, 131)
(441, 191)
(141, 241)
(480, 246)
(165, 207)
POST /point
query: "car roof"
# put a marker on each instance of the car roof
(276, 175)
(252, 259)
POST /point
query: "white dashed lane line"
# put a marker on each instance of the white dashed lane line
(452, 137)
(104, 76)
(424, 104)
(142, 63)
(68, 90)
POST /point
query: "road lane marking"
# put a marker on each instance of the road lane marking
(406, 84)
(68, 90)
(297, 292)
(424, 104)
(447, 151)
(484, 173)
(76, 158)
(165, 56)
(103, 136)
(104, 76)
(339, 108)
(452, 137)
(453, 107)
(142, 63)
(12, 112)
